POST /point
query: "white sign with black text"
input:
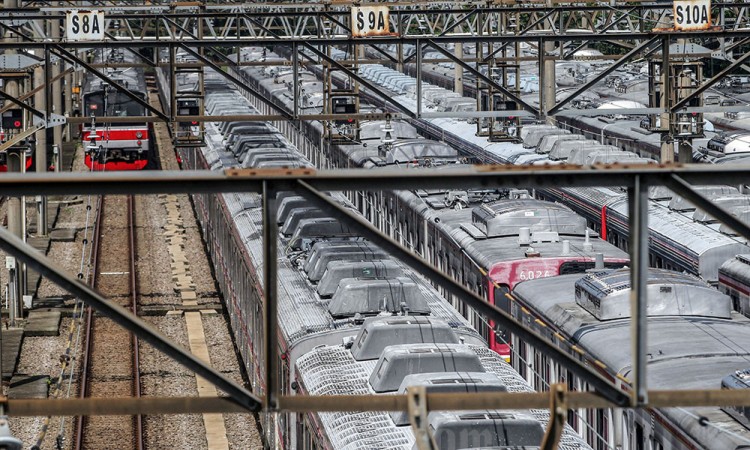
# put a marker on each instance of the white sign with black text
(692, 14)
(370, 21)
(84, 25)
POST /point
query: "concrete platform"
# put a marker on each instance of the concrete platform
(39, 243)
(29, 386)
(63, 235)
(48, 302)
(43, 322)
(11, 339)
(164, 310)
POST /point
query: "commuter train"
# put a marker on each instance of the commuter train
(694, 244)
(351, 319)
(681, 237)
(591, 314)
(117, 145)
(462, 216)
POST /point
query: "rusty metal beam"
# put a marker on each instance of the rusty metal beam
(330, 403)
(558, 416)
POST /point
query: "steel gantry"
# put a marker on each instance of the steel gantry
(638, 27)
(312, 184)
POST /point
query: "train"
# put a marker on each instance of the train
(116, 145)
(591, 312)
(681, 238)
(450, 229)
(352, 320)
(696, 246)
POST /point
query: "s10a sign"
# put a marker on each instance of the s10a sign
(692, 15)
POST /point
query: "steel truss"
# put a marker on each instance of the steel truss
(196, 28)
(411, 19)
(311, 27)
(312, 184)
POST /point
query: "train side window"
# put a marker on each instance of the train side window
(639, 437)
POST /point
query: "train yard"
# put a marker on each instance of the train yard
(309, 226)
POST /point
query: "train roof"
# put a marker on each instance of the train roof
(685, 352)
(711, 247)
(737, 268)
(301, 310)
(330, 370)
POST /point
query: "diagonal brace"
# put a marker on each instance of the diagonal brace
(339, 66)
(40, 263)
(470, 299)
(600, 31)
(23, 105)
(446, 31)
(523, 32)
(71, 57)
(716, 78)
(238, 82)
(361, 80)
(484, 78)
(606, 72)
(681, 187)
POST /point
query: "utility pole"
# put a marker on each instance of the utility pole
(15, 158)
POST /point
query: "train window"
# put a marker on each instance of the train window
(639, 437)
(571, 267)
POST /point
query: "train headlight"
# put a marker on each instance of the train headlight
(138, 135)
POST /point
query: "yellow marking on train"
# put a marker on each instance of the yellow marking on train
(482, 271)
(540, 323)
(524, 310)
(600, 364)
(560, 336)
(619, 376)
(577, 349)
(510, 297)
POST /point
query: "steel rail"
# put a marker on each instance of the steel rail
(138, 418)
(44, 266)
(88, 333)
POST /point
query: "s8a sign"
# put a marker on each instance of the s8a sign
(84, 25)
(692, 14)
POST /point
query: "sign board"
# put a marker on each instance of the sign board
(692, 14)
(370, 21)
(84, 25)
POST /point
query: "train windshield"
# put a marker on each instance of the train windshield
(112, 104)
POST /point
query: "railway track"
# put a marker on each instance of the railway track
(110, 366)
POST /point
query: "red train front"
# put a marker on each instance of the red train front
(121, 144)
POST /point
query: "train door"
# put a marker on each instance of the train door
(499, 339)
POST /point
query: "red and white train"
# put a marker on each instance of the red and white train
(116, 145)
